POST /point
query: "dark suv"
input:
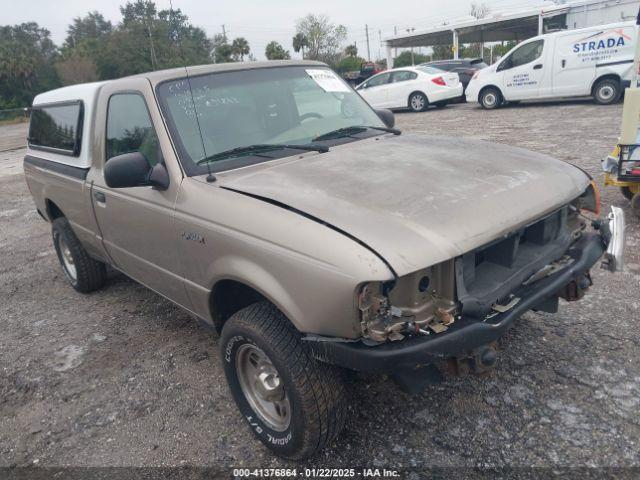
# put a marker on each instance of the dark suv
(464, 67)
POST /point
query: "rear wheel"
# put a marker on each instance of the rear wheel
(83, 272)
(292, 403)
(490, 98)
(606, 91)
(418, 102)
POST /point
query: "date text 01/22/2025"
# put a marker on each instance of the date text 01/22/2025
(316, 472)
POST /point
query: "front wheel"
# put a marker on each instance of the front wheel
(606, 91)
(490, 98)
(292, 403)
(418, 102)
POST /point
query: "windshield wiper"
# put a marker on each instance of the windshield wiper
(261, 148)
(348, 131)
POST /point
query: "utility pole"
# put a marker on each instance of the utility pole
(366, 29)
(224, 33)
(154, 60)
(379, 43)
(395, 34)
(410, 30)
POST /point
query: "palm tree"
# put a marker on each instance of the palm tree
(240, 48)
(300, 42)
(351, 51)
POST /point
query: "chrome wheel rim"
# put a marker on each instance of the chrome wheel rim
(490, 99)
(262, 387)
(67, 259)
(417, 102)
(606, 92)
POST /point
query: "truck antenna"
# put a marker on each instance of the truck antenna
(210, 176)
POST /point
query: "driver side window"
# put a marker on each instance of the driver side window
(378, 80)
(129, 128)
(524, 54)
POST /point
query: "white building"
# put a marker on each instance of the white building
(517, 25)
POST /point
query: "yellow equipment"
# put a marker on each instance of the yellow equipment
(622, 166)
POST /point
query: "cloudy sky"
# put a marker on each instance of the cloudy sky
(261, 22)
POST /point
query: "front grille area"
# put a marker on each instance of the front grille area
(489, 274)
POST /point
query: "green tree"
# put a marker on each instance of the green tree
(76, 68)
(222, 51)
(87, 31)
(240, 48)
(324, 38)
(148, 39)
(300, 42)
(82, 51)
(404, 59)
(442, 52)
(275, 51)
(27, 55)
(350, 64)
(351, 51)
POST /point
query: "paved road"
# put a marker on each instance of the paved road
(12, 143)
(122, 377)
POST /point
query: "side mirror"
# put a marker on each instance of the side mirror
(387, 117)
(133, 170)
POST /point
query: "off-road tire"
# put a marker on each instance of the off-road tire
(418, 102)
(607, 91)
(90, 274)
(315, 390)
(627, 193)
(490, 98)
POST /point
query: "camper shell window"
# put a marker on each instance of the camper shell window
(57, 127)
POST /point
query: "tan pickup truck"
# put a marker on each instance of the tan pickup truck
(273, 203)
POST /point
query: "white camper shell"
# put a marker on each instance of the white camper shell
(69, 111)
(595, 61)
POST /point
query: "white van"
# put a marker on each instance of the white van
(594, 61)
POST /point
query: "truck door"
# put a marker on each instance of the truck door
(137, 223)
(573, 70)
(523, 71)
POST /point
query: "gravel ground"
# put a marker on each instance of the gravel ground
(122, 377)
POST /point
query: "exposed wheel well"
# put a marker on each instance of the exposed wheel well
(608, 76)
(230, 296)
(53, 211)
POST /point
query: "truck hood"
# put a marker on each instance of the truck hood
(417, 200)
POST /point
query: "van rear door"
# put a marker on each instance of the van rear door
(573, 69)
(581, 57)
(523, 70)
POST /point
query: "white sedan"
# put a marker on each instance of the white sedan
(411, 87)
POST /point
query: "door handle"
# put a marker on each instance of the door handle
(100, 197)
(564, 63)
(537, 67)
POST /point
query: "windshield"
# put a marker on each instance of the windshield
(280, 105)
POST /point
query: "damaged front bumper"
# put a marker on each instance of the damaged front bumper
(469, 333)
